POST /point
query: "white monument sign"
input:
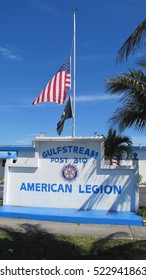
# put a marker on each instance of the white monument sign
(70, 173)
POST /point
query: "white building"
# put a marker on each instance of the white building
(139, 153)
(15, 153)
(68, 175)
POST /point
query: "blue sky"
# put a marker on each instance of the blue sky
(36, 38)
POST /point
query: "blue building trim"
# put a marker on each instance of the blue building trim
(72, 215)
(17, 148)
(8, 154)
(140, 148)
(31, 148)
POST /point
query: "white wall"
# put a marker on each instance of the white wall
(45, 182)
(141, 156)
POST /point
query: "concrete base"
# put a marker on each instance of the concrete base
(71, 215)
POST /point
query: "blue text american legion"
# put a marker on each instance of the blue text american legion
(69, 188)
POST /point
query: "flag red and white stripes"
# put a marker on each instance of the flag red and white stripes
(55, 90)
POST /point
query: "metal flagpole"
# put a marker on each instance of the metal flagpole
(74, 76)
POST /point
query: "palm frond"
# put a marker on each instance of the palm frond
(131, 87)
(116, 145)
(142, 62)
(128, 85)
(132, 43)
(124, 117)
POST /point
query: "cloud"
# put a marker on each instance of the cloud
(13, 107)
(88, 43)
(94, 98)
(26, 103)
(44, 7)
(96, 57)
(26, 139)
(139, 140)
(10, 54)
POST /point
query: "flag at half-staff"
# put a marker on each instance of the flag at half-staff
(67, 114)
(55, 90)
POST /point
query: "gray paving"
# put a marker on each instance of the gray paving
(99, 231)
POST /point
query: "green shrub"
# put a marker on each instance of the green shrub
(142, 212)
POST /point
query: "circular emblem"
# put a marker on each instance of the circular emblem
(69, 172)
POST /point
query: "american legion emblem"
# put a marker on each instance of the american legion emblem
(69, 172)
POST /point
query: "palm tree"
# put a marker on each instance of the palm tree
(133, 42)
(132, 89)
(116, 146)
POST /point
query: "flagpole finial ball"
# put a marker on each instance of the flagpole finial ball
(74, 10)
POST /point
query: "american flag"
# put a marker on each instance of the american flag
(55, 90)
(115, 161)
